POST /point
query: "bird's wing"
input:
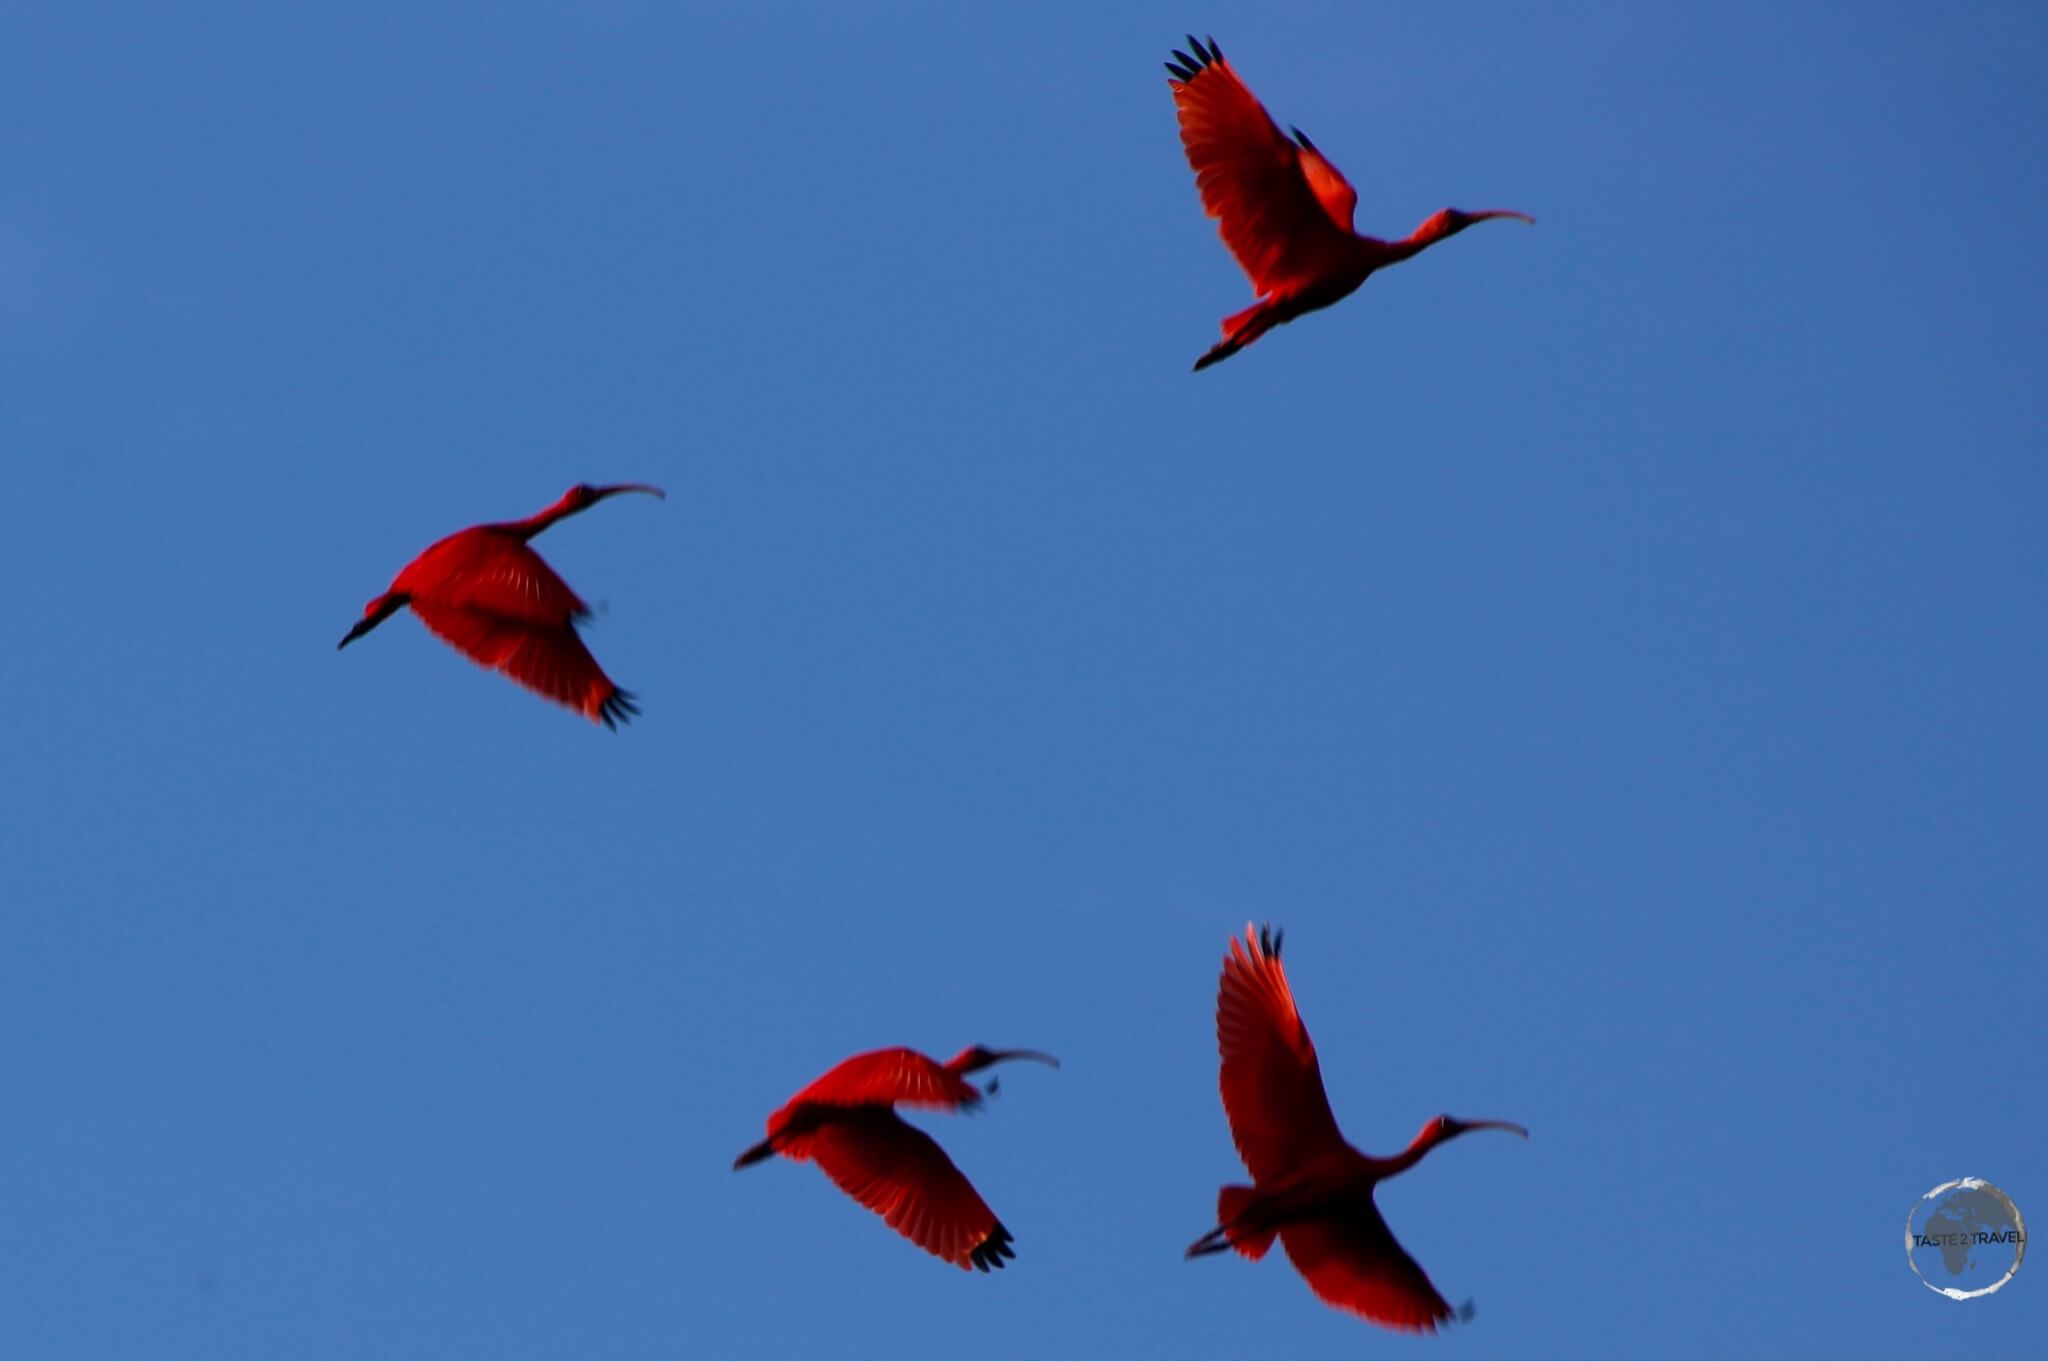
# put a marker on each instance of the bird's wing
(1272, 1085)
(486, 569)
(882, 1077)
(1327, 183)
(1276, 206)
(548, 658)
(1352, 1260)
(900, 1173)
(514, 581)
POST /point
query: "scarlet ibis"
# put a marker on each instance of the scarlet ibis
(847, 1121)
(1309, 1185)
(486, 592)
(1281, 207)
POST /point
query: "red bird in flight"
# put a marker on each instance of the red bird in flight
(1310, 1186)
(847, 1121)
(487, 592)
(1281, 207)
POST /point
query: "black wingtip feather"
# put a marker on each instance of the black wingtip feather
(1269, 941)
(618, 708)
(991, 1252)
(1189, 67)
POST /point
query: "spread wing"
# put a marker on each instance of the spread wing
(1326, 182)
(548, 658)
(883, 1077)
(1272, 1085)
(900, 1173)
(1352, 1261)
(1283, 209)
(483, 568)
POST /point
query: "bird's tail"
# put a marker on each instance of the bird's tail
(1231, 1205)
(1239, 331)
(1232, 1231)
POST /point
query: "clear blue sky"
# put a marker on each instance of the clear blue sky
(1614, 651)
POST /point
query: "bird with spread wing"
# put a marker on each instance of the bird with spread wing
(846, 1123)
(485, 591)
(1280, 205)
(1310, 1188)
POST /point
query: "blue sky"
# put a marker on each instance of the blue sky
(1614, 652)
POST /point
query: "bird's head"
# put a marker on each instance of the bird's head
(980, 1057)
(1451, 221)
(1442, 1128)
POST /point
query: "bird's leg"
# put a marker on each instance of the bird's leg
(763, 1150)
(374, 614)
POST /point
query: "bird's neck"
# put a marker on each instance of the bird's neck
(1434, 229)
(534, 524)
(1407, 1158)
(1375, 254)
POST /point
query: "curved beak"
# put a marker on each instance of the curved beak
(1500, 213)
(998, 1056)
(600, 493)
(1508, 1126)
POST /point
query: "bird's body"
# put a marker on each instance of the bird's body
(1281, 207)
(486, 592)
(846, 1122)
(1310, 1188)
